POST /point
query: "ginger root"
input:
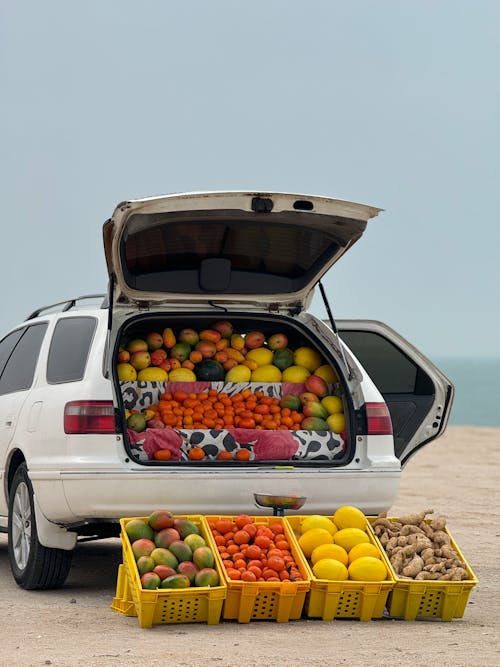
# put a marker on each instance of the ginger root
(414, 519)
(415, 566)
(419, 548)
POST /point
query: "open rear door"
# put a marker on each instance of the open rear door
(418, 395)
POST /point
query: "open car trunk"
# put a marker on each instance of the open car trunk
(182, 262)
(233, 406)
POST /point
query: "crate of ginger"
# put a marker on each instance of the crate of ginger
(432, 577)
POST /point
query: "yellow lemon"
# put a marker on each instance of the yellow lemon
(367, 568)
(327, 373)
(332, 404)
(307, 357)
(311, 539)
(348, 516)
(152, 374)
(261, 355)
(318, 521)
(331, 569)
(330, 551)
(239, 373)
(295, 374)
(182, 375)
(349, 537)
(266, 373)
(126, 372)
(336, 422)
(364, 549)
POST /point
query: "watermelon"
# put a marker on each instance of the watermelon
(209, 369)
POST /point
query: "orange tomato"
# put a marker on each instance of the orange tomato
(162, 455)
(277, 528)
(246, 422)
(265, 530)
(196, 454)
(233, 573)
(276, 563)
(224, 456)
(255, 570)
(262, 541)
(223, 525)
(253, 552)
(283, 545)
(242, 520)
(241, 537)
(251, 529)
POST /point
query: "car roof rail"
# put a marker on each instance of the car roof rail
(63, 306)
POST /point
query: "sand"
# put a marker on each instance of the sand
(458, 476)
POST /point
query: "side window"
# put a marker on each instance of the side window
(7, 345)
(19, 371)
(392, 371)
(69, 349)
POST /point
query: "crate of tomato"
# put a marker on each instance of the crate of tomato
(265, 573)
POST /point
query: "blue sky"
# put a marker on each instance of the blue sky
(389, 103)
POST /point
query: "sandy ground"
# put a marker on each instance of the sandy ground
(458, 476)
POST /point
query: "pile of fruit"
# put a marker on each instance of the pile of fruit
(217, 354)
(339, 548)
(254, 552)
(170, 552)
(246, 409)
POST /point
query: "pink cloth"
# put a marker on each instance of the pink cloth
(267, 445)
(275, 445)
(153, 439)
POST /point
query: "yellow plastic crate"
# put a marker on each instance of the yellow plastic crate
(198, 604)
(428, 599)
(266, 600)
(328, 600)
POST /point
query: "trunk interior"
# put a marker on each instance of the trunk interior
(233, 390)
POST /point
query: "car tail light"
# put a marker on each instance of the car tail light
(378, 419)
(89, 417)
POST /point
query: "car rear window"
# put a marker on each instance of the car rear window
(69, 349)
(159, 253)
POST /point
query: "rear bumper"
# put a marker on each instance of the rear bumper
(88, 495)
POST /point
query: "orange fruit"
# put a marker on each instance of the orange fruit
(224, 456)
(162, 455)
(196, 454)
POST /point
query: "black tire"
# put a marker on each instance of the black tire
(33, 565)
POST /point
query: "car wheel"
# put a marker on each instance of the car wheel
(33, 565)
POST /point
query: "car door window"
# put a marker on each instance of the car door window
(7, 345)
(19, 370)
(392, 372)
(69, 349)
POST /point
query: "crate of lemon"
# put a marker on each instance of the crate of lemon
(349, 578)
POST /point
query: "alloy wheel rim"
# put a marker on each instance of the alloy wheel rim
(21, 526)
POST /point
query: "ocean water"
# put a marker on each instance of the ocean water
(477, 390)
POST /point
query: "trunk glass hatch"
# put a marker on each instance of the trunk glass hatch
(213, 244)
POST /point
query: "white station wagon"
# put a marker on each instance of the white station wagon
(87, 434)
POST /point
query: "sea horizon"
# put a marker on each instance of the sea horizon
(477, 389)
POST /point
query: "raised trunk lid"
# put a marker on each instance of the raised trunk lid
(227, 247)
